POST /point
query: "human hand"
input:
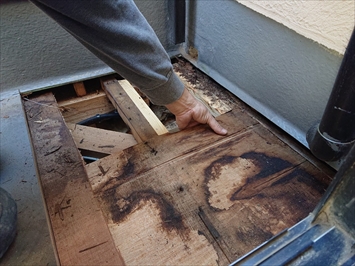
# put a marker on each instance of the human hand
(190, 112)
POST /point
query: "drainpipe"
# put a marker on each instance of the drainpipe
(331, 139)
(180, 18)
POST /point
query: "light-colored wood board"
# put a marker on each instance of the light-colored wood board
(79, 88)
(100, 140)
(81, 108)
(77, 224)
(235, 191)
(143, 108)
(141, 120)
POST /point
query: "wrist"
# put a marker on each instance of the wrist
(182, 105)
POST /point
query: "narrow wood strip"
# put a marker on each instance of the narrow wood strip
(100, 140)
(142, 106)
(79, 229)
(130, 106)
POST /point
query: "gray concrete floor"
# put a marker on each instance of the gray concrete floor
(32, 245)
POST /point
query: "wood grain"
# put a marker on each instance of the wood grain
(78, 227)
(100, 140)
(195, 187)
(133, 110)
(81, 108)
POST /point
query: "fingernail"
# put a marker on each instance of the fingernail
(224, 131)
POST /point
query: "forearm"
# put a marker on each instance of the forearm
(118, 34)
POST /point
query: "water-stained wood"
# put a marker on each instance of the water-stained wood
(190, 198)
(219, 197)
(79, 231)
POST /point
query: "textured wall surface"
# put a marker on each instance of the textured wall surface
(37, 53)
(283, 75)
(329, 22)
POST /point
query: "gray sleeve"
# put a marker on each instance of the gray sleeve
(117, 33)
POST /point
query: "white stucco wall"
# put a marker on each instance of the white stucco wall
(328, 22)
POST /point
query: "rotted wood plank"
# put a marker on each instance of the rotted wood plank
(218, 197)
(133, 110)
(78, 227)
(100, 140)
(80, 108)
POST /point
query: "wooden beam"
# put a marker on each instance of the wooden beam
(78, 227)
(80, 108)
(79, 88)
(100, 140)
(134, 111)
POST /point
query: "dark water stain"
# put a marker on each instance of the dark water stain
(213, 171)
(303, 177)
(268, 166)
(120, 208)
(127, 172)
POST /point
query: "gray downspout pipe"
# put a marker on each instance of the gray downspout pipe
(331, 139)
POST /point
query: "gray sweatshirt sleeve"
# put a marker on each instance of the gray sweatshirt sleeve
(117, 33)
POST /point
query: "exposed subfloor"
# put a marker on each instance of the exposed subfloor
(18, 176)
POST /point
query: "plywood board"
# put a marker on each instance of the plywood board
(205, 199)
(79, 230)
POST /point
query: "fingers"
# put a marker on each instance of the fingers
(199, 115)
(216, 127)
(190, 112)
(205, 117)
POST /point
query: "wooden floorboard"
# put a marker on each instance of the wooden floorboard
(79, 231)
